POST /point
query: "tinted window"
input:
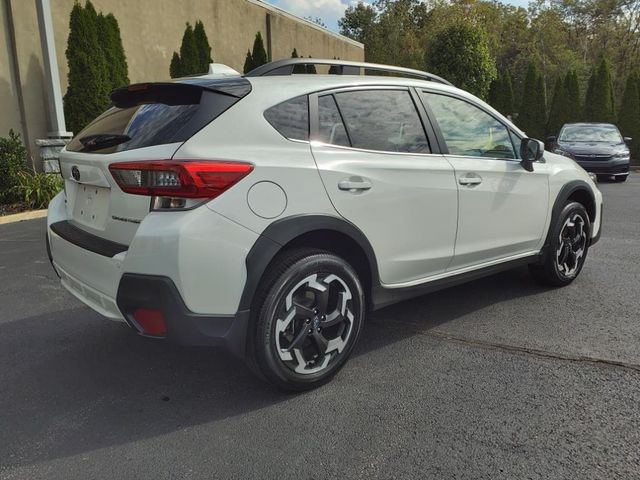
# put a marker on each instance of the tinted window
(590, 133)
(330, 127)
(290, 118)
(382, 120)
(155, 115)
(468, 130)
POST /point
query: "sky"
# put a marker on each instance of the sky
(332, 10)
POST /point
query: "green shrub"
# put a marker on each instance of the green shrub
(37, 189)
(13, 160)
(460, 53)
(195, 53)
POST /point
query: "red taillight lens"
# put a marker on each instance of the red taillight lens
(183, 179)
(151, 321)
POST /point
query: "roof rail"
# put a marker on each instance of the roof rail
(286, 67)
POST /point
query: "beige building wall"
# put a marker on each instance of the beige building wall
(151, 31)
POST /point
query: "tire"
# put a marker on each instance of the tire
(309, 310)
(621, 178)
(568, 247)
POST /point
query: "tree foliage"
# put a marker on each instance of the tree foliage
(89, 81)
(559, 110)
(257, 56)
(195, 53)
(629, 114)
(111, 43)
(202, 47)
(532, 116)
(501, 94)
(599, 103)
(461, 55)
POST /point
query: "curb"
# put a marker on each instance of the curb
(19, 217)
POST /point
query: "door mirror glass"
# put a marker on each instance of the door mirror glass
(531, 150)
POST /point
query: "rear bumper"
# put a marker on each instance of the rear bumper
(189, 266)
(183, 326)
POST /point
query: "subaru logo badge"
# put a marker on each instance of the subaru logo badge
(75, 173)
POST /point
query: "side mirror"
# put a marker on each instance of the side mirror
(628, 139)
(531, 150)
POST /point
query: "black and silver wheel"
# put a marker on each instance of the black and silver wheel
(309, 320)
(568, 246)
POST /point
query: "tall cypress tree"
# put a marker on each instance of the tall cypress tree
(495, 93)
(599, 103)
(88, 88)
(258, 54)
(175, 68)
(111, 42)
(298, 68)
(629, 114)
(558, 110)
(248, 63)
(574, 104)
(334, 69)
(311, 68)
(189, 59)
(508, 104)
(203, 48)
(532, 117)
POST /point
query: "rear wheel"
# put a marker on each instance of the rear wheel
(309, 314)
(567, 249)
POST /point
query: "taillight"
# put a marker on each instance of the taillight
(179, 179)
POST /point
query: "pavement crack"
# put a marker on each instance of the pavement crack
(526, 350)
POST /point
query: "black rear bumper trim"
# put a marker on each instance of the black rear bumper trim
(86, 240)
(184, 327)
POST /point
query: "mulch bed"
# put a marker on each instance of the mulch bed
(12, 208)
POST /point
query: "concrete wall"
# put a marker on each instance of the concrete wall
(151, 31)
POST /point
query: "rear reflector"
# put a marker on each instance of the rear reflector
(151, 321)
(180, 179)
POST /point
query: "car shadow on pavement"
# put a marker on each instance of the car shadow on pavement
(88, 383)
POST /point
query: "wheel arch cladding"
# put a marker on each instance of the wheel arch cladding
(576, 191)
(324, 232)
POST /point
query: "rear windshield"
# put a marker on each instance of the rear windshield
(156, 114)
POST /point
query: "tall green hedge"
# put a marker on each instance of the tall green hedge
(599, 103)
(574, 101)
(195, 53)
(501, 94)
(89, 80)
(629, 114)
(532, 116)
(559, 110)
(460, 53)
(257, 56)
(111, 43)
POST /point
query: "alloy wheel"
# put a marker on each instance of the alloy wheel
(315, 321)
(572, 243)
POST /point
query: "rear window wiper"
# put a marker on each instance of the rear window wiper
(102, 140)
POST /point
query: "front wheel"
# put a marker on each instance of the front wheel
(311, 310)
(570, 238)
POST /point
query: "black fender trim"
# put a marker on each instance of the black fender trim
(561, 199)
(283, 231)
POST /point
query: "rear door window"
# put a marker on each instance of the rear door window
(385, 120)
(330, 125)
(290, 118)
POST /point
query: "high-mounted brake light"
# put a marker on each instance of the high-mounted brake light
(179, 179)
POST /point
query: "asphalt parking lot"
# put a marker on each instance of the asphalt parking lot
(499, 378)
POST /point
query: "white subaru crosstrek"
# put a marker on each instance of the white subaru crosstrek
(267, 213)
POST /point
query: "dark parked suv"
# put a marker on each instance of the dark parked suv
(597, 147)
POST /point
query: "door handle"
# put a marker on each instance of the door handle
(354, 184)
(470, 179)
